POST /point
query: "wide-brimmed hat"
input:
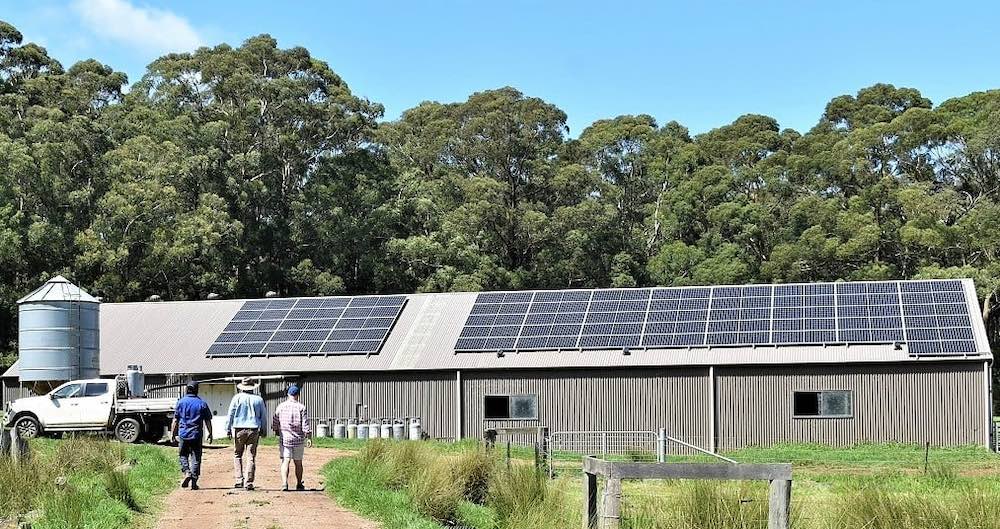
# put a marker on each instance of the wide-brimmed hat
(247, 384)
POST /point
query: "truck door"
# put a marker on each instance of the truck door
(94, 408)
(62, 405)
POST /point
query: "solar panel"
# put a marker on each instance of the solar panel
(931, 317)
(308, 326)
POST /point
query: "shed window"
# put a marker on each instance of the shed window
(510, 407)
(837, 403)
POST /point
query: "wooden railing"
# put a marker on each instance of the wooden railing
(779, 476)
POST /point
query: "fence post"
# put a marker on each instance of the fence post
(779, 504)
(5, 442)
(589, 500)
(604, 444)
(508, 454)
(611, 515)
(542, 458)
(661, 446)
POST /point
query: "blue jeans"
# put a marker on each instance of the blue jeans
(190, 456)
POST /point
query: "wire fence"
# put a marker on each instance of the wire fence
(639, 445)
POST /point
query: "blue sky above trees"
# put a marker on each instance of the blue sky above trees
(702, 65)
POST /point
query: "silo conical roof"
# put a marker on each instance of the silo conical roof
(58, 289)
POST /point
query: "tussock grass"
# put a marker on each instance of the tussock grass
(463, 485)
(431, 484)
(436, 490)
(474, 469)
(699, 505)
(85, 482)
(119, 488)
(878, 508)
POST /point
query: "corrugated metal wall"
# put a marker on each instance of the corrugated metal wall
(943, 404)
(589, 399)
(428, 395)
(12, 390)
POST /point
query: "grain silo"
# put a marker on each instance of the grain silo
(58, 333)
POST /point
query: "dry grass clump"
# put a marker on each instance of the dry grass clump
(877, 508)
(438, 483)
(700, 505)
(474, 469)
(435, 490)
(62, 481)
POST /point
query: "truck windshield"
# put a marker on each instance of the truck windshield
(65, 392)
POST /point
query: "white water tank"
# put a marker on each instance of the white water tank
(58, 333)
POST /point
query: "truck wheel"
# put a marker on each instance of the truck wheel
(128, 430)
(27, 427)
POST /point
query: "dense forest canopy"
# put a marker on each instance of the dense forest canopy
(241, 170)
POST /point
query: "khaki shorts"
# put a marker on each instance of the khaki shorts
(295, 453)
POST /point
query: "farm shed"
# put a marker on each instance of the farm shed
(721, 367)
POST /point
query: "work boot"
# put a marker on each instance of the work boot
(238, 485)
(186, 482)
(194, 484)
(249, 486)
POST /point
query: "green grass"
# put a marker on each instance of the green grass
(365, 492)
(86, 482)
(863, 487)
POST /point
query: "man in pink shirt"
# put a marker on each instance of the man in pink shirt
(291, 424)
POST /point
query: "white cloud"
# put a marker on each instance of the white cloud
(149, 28)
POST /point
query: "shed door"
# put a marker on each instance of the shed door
(218, 396)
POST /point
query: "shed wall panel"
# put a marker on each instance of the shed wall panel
(574, 400)
(328, 396)
(12, 390)
(942, 404)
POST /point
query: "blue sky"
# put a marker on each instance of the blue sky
(700, 63)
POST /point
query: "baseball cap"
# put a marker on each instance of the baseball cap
(293, 390)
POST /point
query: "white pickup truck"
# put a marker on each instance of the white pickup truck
(96, 405)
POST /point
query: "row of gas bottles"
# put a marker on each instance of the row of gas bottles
(409, 428)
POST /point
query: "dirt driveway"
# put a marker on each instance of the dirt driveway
(218, 506)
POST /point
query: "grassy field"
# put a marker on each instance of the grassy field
(427, 485)
(86, 482)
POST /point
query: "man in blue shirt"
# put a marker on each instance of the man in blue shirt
(189, 416)
(246, 426)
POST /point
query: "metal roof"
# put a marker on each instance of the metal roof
(58, 289)
(173, 337)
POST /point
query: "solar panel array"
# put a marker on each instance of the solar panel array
(308, 326)
(931, 317)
